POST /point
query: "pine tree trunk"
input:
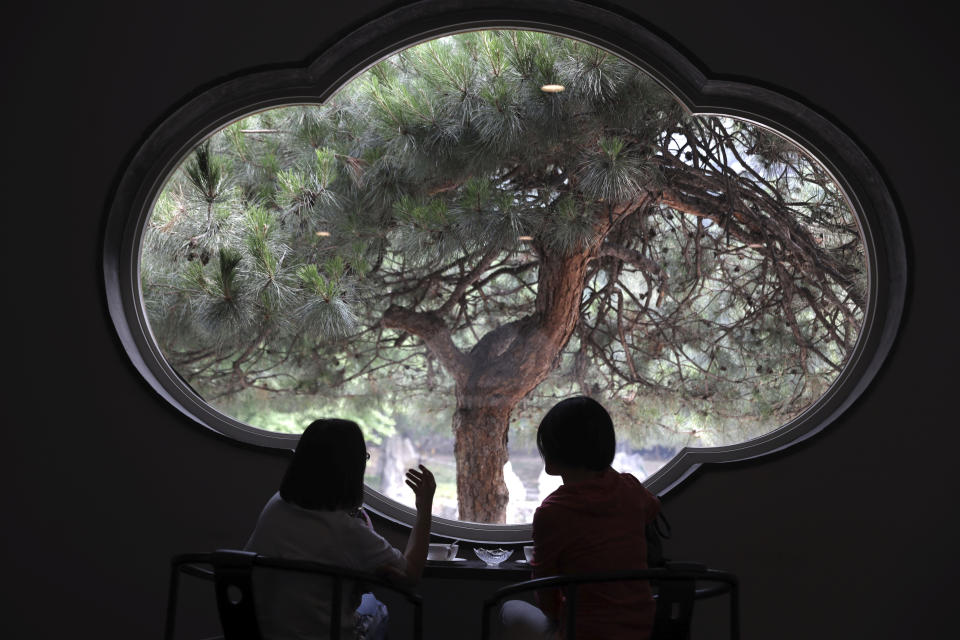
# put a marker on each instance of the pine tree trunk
(506, 365)
(480, 446)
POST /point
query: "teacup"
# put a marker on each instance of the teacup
(528, 553)
(442, 551)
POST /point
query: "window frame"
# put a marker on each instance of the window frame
(619, 32)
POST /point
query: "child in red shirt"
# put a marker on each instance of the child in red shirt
(594, 522)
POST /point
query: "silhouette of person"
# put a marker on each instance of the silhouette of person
(317, 515)
(593, 522)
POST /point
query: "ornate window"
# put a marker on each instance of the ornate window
(442, 231)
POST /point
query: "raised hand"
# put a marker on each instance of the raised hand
(423, 485)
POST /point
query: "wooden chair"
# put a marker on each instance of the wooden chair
(231, 572)
(675, 586)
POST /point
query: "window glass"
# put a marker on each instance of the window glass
(486, 223)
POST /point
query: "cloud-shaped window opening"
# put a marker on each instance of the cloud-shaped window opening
(482, 224)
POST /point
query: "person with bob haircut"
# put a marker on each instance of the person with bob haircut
(593, 522)
(317, 515)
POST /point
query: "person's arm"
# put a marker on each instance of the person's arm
(424, 486)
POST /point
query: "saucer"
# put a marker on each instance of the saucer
(450, 560)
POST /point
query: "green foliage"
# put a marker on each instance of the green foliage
(611, 172)
(258, 223)
(440, 182)
(206, 173)
(226, 276)
(570, 229)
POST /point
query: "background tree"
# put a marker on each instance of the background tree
(446, 231)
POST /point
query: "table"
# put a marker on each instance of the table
(470, 569)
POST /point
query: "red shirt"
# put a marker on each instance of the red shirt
(592, 526)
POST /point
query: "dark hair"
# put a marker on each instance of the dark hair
(326, 472)
(577, 432)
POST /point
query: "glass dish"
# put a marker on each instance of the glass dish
(493, 557)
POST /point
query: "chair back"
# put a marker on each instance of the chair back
(675, 606)
(233, 585)
(232, 574)
(678, 585)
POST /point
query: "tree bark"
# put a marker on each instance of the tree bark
(480, 447)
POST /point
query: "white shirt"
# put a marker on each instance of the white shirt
(291, 606)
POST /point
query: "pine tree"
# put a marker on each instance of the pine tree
(450, 229)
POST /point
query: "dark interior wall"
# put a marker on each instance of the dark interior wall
(848, 535)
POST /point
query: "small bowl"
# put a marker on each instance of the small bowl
(493, 557)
